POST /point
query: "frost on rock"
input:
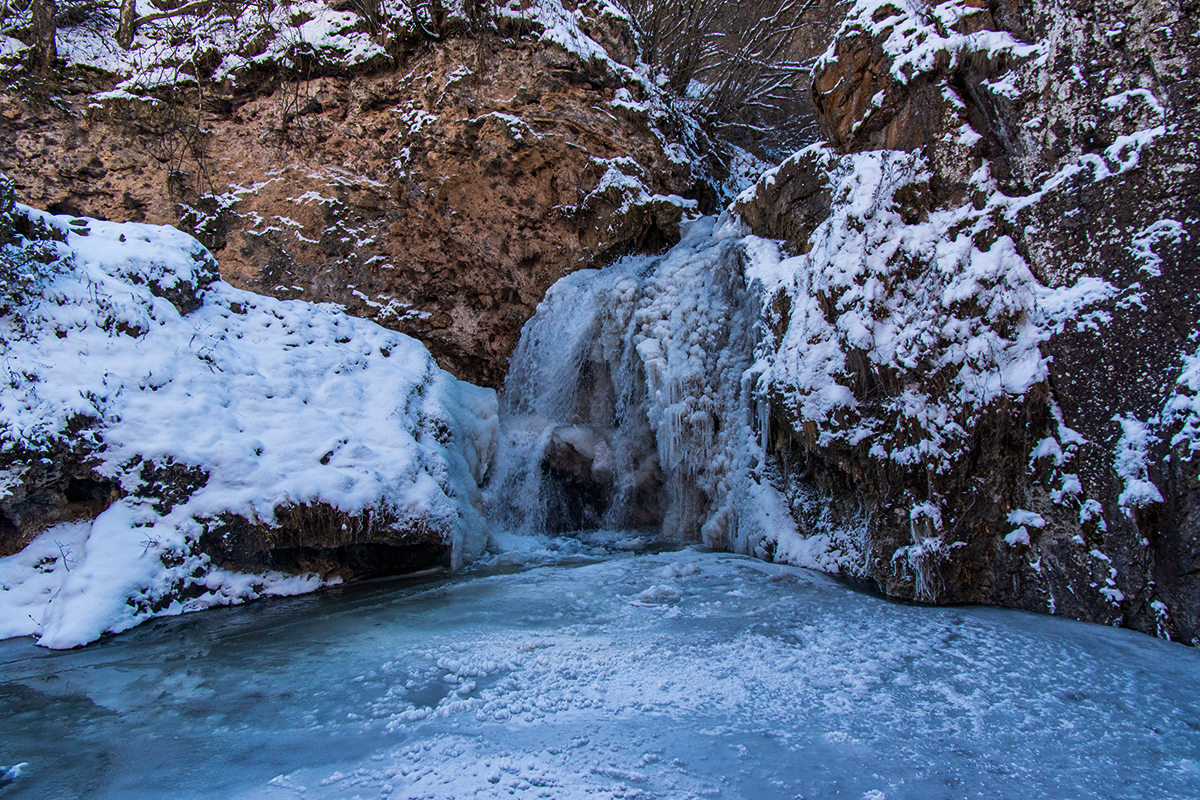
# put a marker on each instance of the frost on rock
(969, 358)
(211, 433)
(921, 37)
(1165, 230)
(902, 335)
(1183, 408)
(232, 43)
(944, 313)
(899, 339)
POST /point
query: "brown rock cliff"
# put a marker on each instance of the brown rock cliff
(440, 196)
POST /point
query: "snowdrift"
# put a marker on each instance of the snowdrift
(170, 443)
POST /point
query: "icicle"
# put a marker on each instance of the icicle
(655, 357)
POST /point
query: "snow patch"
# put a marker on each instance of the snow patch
(1130, 462)
(1144, 242)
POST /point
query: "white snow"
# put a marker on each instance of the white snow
(1118, 102)
(1022, 517)
(1130, 464)
(289, 34)
(10, 47)
(1023, 520)
(854, 293)
(1164, 231)
(1018, 536)
(280, 403)
(917, 39)
(1183, 407)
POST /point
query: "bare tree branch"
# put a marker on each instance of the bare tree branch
(732, 65)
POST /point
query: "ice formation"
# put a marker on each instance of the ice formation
(632, 402)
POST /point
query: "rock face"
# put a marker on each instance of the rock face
(438, 191)
(1001, 278)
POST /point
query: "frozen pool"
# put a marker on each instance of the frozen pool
(662, 675)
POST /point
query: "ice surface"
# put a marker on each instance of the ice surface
(679, 674)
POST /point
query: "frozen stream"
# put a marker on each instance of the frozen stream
(672, 674)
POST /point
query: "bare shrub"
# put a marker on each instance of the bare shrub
(743, 69)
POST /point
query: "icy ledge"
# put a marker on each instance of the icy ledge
(203, 412)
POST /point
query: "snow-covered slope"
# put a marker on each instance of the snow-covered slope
(218, 422)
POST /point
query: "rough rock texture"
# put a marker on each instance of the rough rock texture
(439, 196)
(319, 539)
(1067, 132)
(61, 486)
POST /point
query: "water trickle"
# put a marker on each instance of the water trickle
(630, 399)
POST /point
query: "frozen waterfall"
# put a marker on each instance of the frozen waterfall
(630, 402)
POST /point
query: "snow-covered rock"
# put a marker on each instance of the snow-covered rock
(980, 354)
(330, 152)
(168, 442)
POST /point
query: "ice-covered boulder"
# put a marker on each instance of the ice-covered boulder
(168, 442)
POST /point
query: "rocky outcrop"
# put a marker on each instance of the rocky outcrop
(436, 188)
(1001, 281)
(169, 442)
(321, 539)
(46, 488)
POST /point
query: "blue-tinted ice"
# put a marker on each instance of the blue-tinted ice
(672, 675)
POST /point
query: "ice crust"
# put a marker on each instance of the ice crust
(740, 680)
(280, 403)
